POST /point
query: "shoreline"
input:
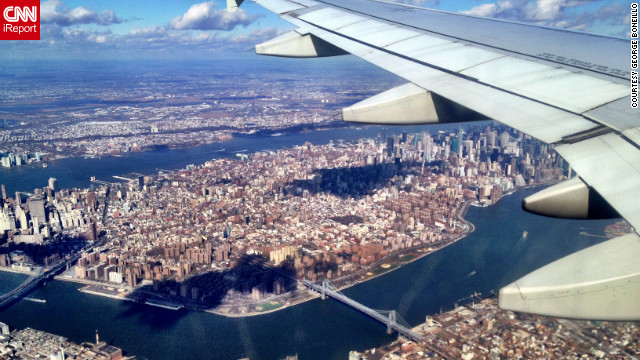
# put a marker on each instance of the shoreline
(314, 295)
(232, 132)
(9, 269)
(300, 295)
(303, 295)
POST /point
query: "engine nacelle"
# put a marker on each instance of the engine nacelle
(571, 199)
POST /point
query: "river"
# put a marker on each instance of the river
(76, 172)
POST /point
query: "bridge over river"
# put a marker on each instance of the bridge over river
(31, 282)
(387, 317)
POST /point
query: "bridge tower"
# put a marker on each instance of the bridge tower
(391, 321)
(325, 287)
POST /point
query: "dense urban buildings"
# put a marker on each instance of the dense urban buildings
(232, 234)
(480, 330)
(34, 344)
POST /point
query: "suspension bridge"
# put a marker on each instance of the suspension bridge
(388, 317)
(24, 288)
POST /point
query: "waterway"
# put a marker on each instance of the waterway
(76, 172)
(489, 258)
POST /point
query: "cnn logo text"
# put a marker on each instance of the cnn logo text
(20, 20)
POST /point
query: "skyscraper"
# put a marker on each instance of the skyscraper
(36, 210)
(459, 149)
(390, 147)
(92, 234)
(428, 146)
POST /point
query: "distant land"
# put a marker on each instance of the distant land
(53, 110)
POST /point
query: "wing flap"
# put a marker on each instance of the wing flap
(572, 91)
(331, 18)
(618, 115)
(307, 3)
(602, 56)
(575, 92)
(442, 53)
(377, 33)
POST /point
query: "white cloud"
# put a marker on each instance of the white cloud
(485, 10)
(149, 31)
(550, 10)
(506, 9)
(555, 13)
(54, 12)
(74, 38)
(182, 36)
(203, 16)
(98, 39)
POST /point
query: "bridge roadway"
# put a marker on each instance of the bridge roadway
(30, 283)
(23, 288)
(389, 321)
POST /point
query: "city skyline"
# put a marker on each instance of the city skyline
(178, 29)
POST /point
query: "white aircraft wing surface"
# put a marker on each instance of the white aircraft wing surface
(565, 88)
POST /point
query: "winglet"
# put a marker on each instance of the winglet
(233, 5)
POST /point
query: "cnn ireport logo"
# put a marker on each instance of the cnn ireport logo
(19, 19)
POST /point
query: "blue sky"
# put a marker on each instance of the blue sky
(184, 28)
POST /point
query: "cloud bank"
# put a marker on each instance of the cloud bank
(555, 13)
(203, 30)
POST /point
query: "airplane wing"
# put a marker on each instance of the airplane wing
(568, 89)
